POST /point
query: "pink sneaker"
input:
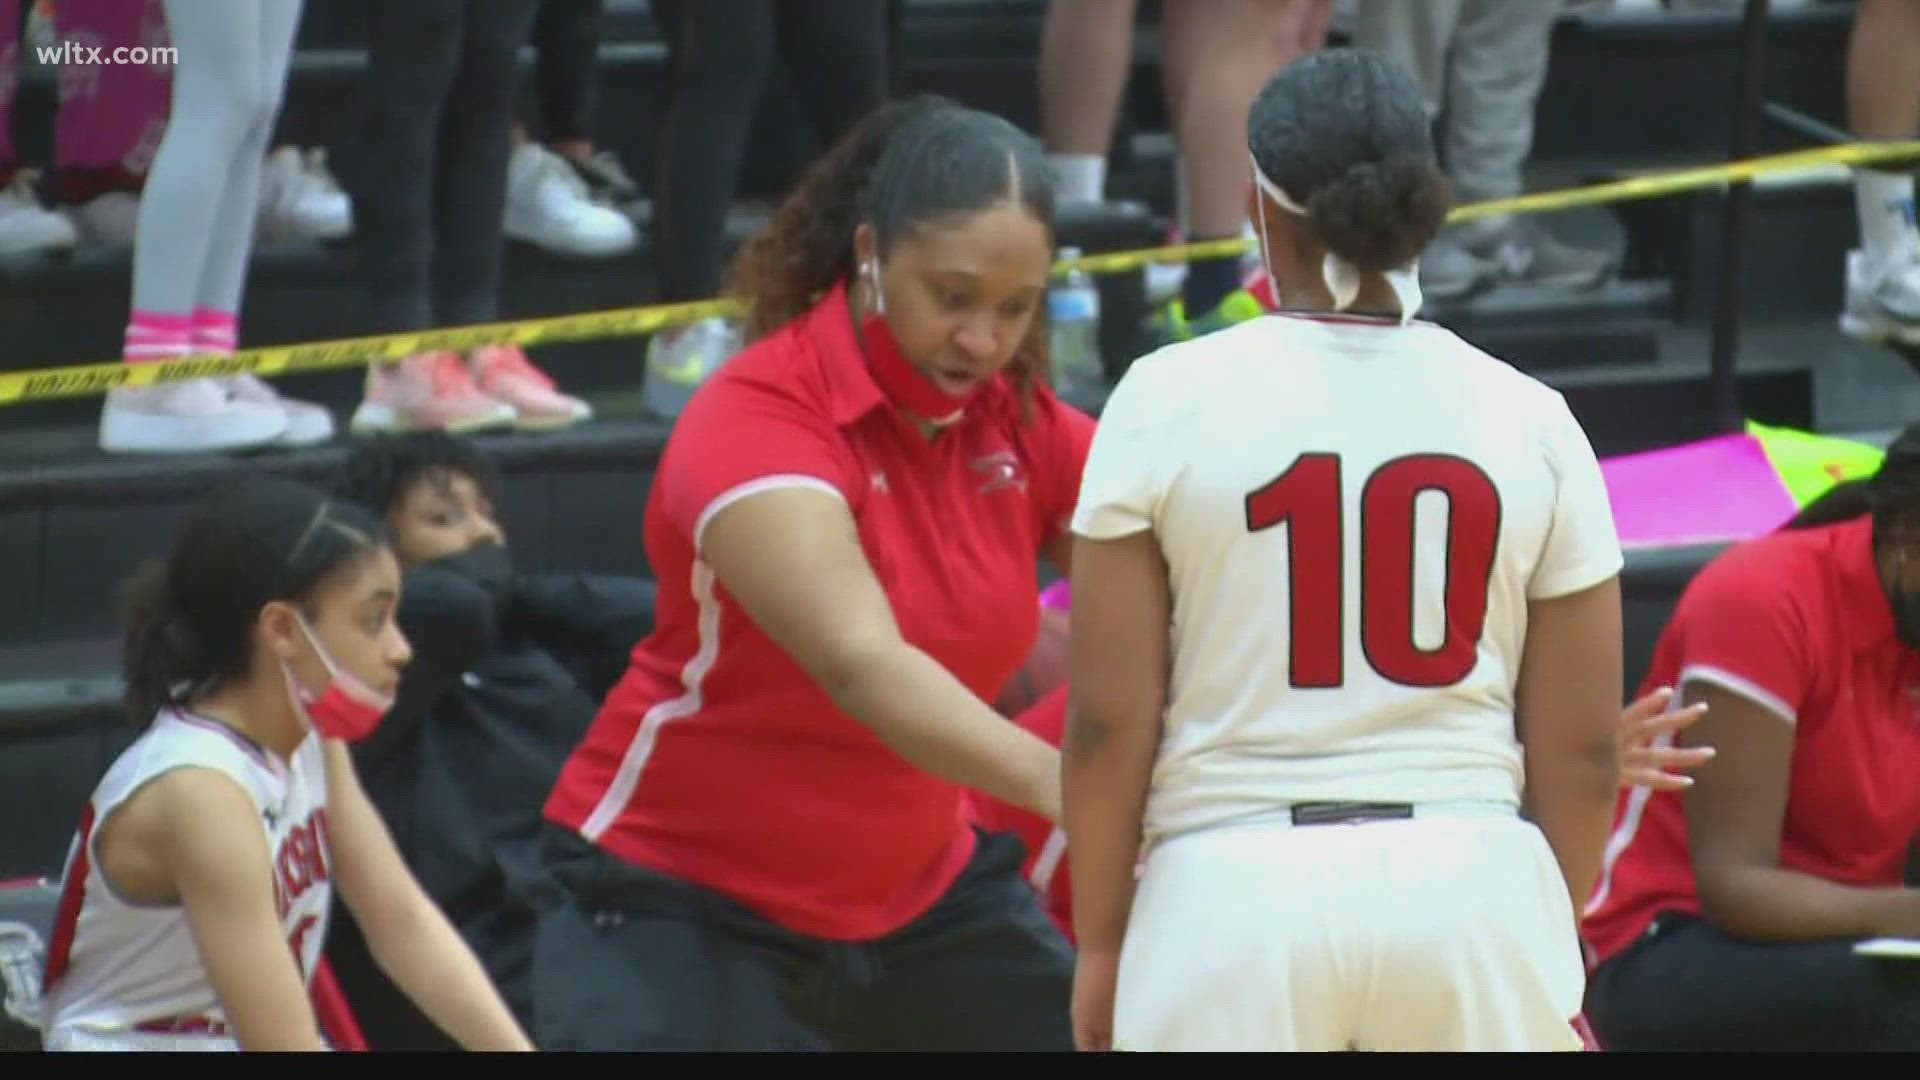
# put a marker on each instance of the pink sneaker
(504, 373)
(428, 392)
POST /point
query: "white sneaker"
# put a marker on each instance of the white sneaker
(1883, 302)
(300, 199)
(307, 424)
(548, 206)
(26, 226)
(680, 359)
(195, 416)
(108, 221)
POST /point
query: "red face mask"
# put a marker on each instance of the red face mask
(348, 709)
(898, 379)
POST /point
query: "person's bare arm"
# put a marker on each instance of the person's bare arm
(792, 558)
(1734, 814)
(408, 936)
(1568, 703)
(1116, 701)
(206, 832)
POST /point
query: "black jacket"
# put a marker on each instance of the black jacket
(497, 696)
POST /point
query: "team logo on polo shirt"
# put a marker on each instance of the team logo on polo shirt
(1002, 470)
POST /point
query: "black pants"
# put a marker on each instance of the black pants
(566, 41)
(431, 194)
(627, 959)
(1690, 987)
(836, 51)
(501, 937)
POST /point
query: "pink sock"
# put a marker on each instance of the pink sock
(152, 335)
(215, 331)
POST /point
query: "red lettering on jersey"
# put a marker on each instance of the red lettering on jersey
(322, 844)
(1387, 546)
(297, 941)
(1307, 498)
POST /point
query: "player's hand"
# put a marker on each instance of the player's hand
(1094, 977)
(1661, 768)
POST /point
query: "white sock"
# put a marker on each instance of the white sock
(1885, 204)
(1182, 215)
(1081, 177)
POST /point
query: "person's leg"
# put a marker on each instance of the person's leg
(413, 50)
(11, 37)
(1690, 987)
(1497, 65)
(720, 50)
(566, 40)
(985, 969)
(629, 960)
(217, 102)
(1228, 50)
(470, 170)
(217, 300)
(837, 52)
(1883, 104)
(1086, 52)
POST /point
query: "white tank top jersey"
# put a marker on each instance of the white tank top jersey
(125, 973)
(1354, 514)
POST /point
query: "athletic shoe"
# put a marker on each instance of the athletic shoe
(548, 206)
(429, 392)
(1883, 302)
(504, 373)
(300, 199)
(1171, 325)
(1521, 250)
(107, 221)
(680, 359)
(307, 424)
(606, 179)
(192, 416)
(26, 226)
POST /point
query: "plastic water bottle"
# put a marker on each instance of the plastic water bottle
(1073, 316)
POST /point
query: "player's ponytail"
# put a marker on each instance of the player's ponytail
(1345, 133)
(160, 650)
(190, 618)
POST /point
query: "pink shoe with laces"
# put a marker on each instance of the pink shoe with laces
(504, 373)
(428, 392)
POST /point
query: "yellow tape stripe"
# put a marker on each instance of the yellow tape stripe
(83, 380)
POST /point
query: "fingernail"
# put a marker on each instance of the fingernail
(1710, 751)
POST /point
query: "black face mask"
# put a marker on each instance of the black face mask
(490, 566)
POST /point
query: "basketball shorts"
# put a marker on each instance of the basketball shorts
(1445, 931)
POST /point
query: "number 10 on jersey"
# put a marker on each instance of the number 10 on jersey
(1307, 499)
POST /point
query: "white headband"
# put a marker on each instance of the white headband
(1341, 276)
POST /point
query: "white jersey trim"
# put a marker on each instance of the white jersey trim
(1739, 684)
(754, 487)
(692, 677)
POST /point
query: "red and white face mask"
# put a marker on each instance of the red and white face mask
(347, 709)
(902, 383)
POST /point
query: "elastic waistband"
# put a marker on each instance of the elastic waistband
(1311, 813)
(184, 1025)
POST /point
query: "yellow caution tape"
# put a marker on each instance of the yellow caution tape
(83, 380)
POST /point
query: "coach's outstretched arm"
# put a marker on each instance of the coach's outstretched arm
(1568, 706)
(1118, 675)
(410, 939)
(792, 558)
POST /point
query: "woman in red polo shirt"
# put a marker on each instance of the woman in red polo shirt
(763, 842)
(1733, 918)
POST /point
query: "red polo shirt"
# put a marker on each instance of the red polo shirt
(1795, 621)
(716, 759)
(1046, 843)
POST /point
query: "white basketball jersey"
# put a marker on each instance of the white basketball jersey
(114, 965)
(1354, 514)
